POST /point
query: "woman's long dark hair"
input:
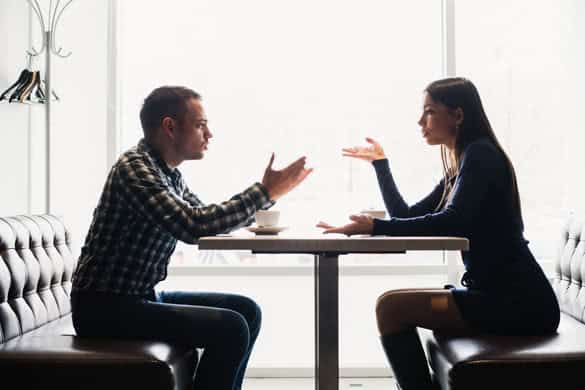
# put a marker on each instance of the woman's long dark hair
(458, 92)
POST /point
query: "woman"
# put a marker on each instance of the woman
(505, 290)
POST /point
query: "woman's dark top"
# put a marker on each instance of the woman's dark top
(505, 291)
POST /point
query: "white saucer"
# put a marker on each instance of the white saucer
(266, 230)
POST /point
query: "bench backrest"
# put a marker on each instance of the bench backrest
(570, 269)
(36, 265)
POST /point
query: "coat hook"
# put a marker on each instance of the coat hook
(56, 17)
(34, 4)
(49, 29)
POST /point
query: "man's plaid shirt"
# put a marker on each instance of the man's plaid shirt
(144, 209)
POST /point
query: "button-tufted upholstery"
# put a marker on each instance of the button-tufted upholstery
(570, 270)
(543, 362)
(38, 346)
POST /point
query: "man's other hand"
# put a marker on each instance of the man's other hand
(280, 182)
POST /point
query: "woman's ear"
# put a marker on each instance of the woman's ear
(459, 116)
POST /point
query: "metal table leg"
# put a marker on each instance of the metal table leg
(326, 322)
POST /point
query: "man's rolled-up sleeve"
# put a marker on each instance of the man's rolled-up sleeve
(146, 191)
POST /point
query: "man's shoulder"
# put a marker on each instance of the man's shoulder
(134, 164)
(134, 157)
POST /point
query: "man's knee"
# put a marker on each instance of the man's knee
(251, 312)
(234, 329)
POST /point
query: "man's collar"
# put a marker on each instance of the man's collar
(143, 145)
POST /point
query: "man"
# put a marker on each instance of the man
(144, 209)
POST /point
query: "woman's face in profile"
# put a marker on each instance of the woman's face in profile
(438, 123)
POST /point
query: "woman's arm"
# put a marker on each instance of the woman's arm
(482, 165)
(393, 200)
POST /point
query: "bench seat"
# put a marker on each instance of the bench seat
(38, 345)
(511, 362)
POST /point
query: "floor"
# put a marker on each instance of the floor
(309, 384)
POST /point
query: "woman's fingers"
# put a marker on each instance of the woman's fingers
(324, 225)
(360, 156)
(372, 141)
(360, 218)
(335, 230)
(368, 153)
(330, 228)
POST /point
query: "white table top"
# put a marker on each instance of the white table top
(333, 243)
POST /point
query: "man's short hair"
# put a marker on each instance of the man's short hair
(165, 101)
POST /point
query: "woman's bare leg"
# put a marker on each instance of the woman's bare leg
(399, 313)
(434, 309)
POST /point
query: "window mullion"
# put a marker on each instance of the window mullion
(448, 38)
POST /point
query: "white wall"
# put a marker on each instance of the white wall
(528, 67)
(78, 125)
(576, 157)
(79, 121)
(14, 118)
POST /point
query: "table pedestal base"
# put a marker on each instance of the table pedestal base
(327, 322)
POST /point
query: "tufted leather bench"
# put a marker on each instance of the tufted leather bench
(38, 345)
(545, 362)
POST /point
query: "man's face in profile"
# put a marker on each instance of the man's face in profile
(193, 134)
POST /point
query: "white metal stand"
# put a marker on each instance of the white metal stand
(48, 30)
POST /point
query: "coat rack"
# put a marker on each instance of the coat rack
(48, 31)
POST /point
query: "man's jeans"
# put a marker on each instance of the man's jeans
(225, 325)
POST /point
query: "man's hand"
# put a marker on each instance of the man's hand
(367, 153)
(279, 183)
(361, 224)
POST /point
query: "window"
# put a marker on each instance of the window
(526, 59)
(294, 78)
(307, 78)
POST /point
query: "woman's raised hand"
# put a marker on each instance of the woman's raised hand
(367, 153)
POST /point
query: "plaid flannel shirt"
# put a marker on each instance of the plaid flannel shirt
(145, 207)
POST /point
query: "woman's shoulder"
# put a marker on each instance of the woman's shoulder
(482, 154)
(482, 149)
(481, 144)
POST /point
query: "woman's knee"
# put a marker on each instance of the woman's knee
(388, 308)
(389, 301)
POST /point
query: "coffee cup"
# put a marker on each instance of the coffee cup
(267, 218)
(380, 214)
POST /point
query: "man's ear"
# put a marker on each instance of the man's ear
(168, 126)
